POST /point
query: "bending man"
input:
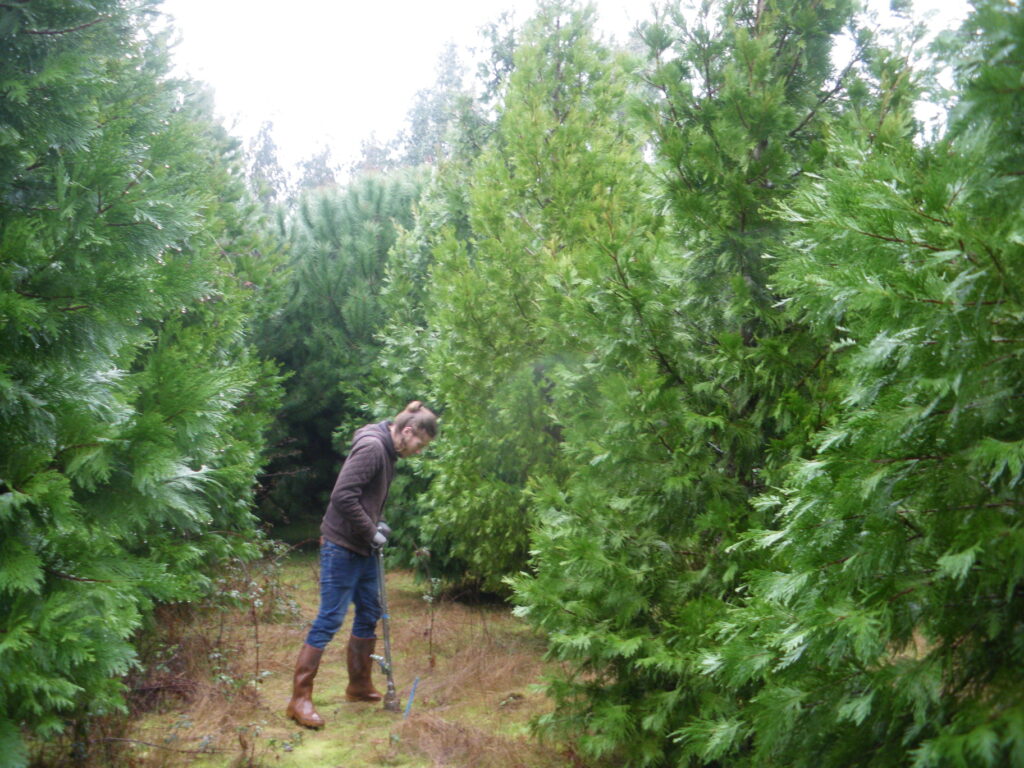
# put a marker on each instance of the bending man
(351, 529)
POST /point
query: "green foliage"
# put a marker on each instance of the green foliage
(699, 388)
(325, 333)
(894, 600)
(728, 358)
(131, 405)
(745, 427)
(533, 199)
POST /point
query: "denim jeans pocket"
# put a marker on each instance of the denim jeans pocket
(331, 552)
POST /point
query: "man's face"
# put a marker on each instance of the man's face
(410, 442)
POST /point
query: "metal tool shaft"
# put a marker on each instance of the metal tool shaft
(391, 702)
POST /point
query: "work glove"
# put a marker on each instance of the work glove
(380, 538)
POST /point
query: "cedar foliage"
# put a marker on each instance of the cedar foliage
(543, 186)
(865, 611)
(455, 127)
(887, 625)
(692, 410)
(131, 404)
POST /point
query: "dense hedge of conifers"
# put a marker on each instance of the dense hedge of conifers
(131, 407)
(729, 351)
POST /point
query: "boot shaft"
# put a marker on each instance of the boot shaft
(306, 667)
(300, 708)
(360, 670)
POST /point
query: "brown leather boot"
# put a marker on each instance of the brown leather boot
(300, 708)
(360, 667)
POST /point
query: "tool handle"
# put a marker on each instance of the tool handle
(391, 697)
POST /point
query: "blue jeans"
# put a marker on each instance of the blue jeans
(345, 577)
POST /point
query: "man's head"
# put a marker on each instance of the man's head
(413, 428)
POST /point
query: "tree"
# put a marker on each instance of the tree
(267, 179)
(374, 157)
(537, 194)
(433, 111)
(130, 401)
(886, 628)
(442, 119)
(700, 387)
(324, 335)
(441, 218)
(317, 172)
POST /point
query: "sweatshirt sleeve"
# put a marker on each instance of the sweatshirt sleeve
(359, 469)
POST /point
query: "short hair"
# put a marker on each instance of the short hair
(419, 417)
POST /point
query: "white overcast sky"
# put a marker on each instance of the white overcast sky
(334, 72)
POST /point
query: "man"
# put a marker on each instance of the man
(352, 528)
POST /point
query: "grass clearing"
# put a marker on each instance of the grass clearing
(215, 689)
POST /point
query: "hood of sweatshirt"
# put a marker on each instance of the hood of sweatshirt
(381, 432)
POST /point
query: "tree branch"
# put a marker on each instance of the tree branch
(886, 238)
(69, 577)
(65, 31)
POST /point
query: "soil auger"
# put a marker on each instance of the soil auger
(391, 702)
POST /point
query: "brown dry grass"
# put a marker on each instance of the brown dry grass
(217, 681)
(448, 743)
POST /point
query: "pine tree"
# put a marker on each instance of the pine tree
(324, 335)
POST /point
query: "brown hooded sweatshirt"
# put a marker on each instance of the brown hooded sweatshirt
(357, 501)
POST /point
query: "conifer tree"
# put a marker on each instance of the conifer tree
(435, 110)
(706, 389)
(536, 196)
(441, 217)
(131, 406)
(325, 334)
(887, 628)
(445, 121)
(405, 338)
